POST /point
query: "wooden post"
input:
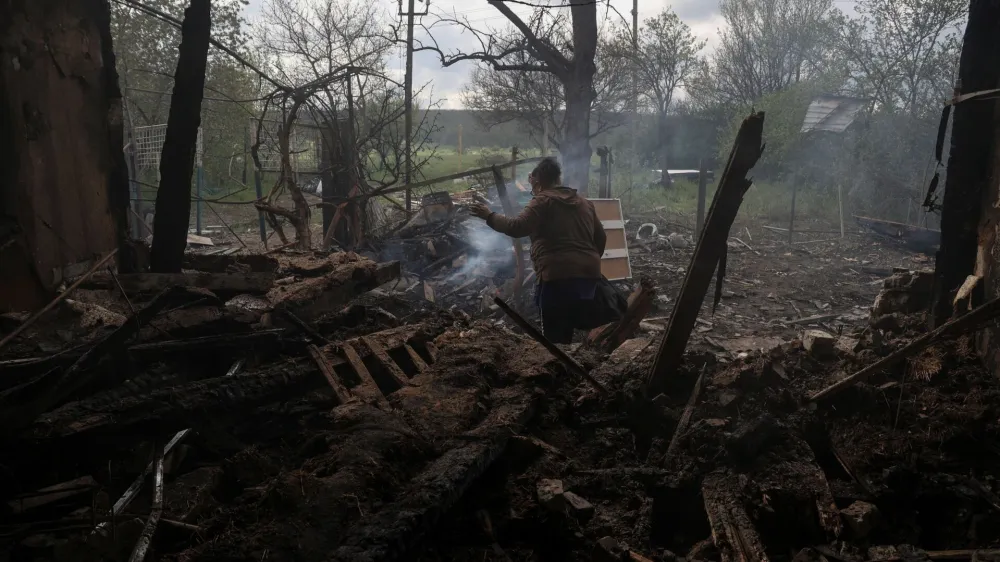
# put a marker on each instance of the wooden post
(702, 193)
(259, 189)
(602, 186)
(510, 210)
(326, 178)
(460, 155)
(840, 203)
(791, 215)
(513, 166)
(709, 252)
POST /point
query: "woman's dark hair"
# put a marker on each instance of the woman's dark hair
(548, 172)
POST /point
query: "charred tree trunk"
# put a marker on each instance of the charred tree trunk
(970, 161)
(173, 198)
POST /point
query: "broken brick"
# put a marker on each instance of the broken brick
(550, 494)
(608, 549)
(818, 343)
(861, 517)
(581, 509)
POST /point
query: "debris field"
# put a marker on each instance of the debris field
(311, 406)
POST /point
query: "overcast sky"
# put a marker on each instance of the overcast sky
(701, 15)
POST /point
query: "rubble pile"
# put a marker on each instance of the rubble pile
(308, 407)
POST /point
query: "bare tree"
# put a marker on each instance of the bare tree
(767, 46)
(536, 99)
(903, 53)
(335, 52)
(667, 59)
(574, 66)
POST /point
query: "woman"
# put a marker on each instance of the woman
(567, 242)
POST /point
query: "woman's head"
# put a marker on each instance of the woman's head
(547, 173)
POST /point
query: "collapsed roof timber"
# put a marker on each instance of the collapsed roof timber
(383, 395)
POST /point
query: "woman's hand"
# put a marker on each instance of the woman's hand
(480, 210)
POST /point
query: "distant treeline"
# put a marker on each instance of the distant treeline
(690, 138)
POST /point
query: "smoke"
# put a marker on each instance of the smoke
(488, 246)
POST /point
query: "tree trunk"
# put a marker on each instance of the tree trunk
(970, 162)
(300, 216)
(575, 149)
(173, 198)
(578, 88)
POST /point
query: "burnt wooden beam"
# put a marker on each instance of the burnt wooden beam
(710, 251)
(131, 283)
(971, 161)
(166, 410)
(173, 198)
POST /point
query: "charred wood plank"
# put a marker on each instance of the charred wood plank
(256, 283)
(385, 362)
(418, 361)
(368, 389)
(211, 401)
(732, 529)
(710, 251)
(173, 198)
(326, 368)
(245, 342)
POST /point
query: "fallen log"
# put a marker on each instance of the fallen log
(19, 371)
(239, 283)
(709, 252)
(569, 362)
(732, 529)
(610, 337)
(971, 321)
(211, 401)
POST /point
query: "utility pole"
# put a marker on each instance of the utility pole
(408, 95)
(635, 91)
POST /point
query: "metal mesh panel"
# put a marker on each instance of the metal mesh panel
(148, 144)
(304, 146)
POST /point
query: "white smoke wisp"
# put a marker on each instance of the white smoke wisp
(485, 243)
